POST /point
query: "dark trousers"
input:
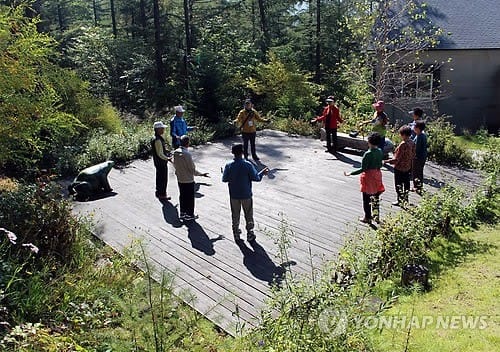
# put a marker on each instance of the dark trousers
(402, 183)
(249, 137)
(186, 198)
(331, 139)
(371, 205)
(161, 179)
(175, 143)
(417, 171)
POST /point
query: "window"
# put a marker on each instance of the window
(418, 85)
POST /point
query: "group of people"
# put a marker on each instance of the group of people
(408, 159)
(239, 174)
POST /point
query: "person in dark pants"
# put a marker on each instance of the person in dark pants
(371, 179)
(239, 174)
(402, 161)
(246, 122)
(417, 169)
(185, 170)
(331, 117)
(161, 157)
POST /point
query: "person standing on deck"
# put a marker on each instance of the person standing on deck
(239, 175)
(331, 117)
(371, 179)
(161, 157)
(179, 126)
(246, 121)
(185, 170)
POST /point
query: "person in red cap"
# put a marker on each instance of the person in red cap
(379, 121)
(331, 117)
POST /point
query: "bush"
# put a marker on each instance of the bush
(489, 159)
(442, 145)
(134, 141)
(37, 214)
(302, 127)
(285, 91)
(39, 238)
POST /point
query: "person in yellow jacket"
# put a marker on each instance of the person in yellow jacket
(246, 122)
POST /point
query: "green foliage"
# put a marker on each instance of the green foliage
(134, 141)
(301, 127)
(37, 214)
(44, 107)
(489, 158)
(90, 55)
(36, 337)
(285, 91)
(40, 237)
(442, 146)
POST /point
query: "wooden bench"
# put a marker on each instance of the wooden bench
(358, 143)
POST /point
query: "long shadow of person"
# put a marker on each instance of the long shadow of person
(170, 214)
(347, 160)
(260, 265)
(199, 238)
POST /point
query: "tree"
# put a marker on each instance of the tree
(402, 31)
(44, 106)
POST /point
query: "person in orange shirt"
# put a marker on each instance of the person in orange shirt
(331, 117)
(246, 122)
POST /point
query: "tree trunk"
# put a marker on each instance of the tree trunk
(142, 15)
(317, 61)
(113, 16)
(188, 8)
(266, 39)
(94, 7)
(311, 33)
(60, 18)
(160, 71)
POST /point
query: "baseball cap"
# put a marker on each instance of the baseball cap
(330, 98)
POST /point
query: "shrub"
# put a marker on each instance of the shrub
(442, 145)
(285, 91)
(301, 127)
(134, 141)
(489, 159)
(37, 214)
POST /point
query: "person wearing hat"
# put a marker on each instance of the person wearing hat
(161, 157)
(178, 126)
(185, 170)
(246, 121)
(379, 121)
(331, 117)
(239, 175)
(417, 115)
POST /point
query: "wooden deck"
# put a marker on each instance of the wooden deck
(305, 185)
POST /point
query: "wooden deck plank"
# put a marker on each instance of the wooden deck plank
(305, 184)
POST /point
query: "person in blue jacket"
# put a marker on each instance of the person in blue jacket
(239, 175)
(179, 126)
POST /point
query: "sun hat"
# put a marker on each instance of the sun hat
(159, 124)
(179, 108)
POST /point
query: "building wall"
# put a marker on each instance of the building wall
(471, 87)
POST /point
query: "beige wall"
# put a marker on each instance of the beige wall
(471, 86)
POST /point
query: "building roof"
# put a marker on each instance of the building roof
(467, 24)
